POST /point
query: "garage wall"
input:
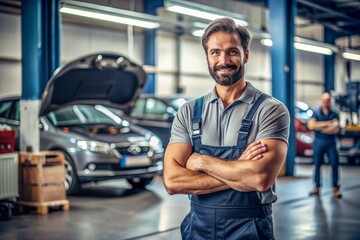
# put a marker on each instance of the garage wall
(78, 40)
(10, 54)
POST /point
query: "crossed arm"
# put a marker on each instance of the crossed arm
(327, 127)
(192, 173)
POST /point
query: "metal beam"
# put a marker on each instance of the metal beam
(40, 33)
(316, 6)
(150, 7)
(282, 15)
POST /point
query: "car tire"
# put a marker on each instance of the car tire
(72, 184)
(139, 183)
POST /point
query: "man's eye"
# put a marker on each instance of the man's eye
(232, 53)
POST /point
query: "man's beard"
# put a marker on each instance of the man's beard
(226, 79)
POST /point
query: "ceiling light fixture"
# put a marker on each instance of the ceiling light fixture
(109, 14)
(307, 45)
(266, 42)
(202, 11)
(351, 55)
(312, 48)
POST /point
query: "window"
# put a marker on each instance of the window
(139, 108)
(82, 115)
(155, 107)
(15, 111)
(4, 108)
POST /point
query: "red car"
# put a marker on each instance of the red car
(304, 137)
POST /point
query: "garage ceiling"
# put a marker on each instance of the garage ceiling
(342, 16)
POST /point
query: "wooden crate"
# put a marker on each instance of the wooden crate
(41, 177)
(42, 174)
(43, 158)
(42, 193)
(44, 207)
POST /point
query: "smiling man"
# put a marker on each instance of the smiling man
(227, 147)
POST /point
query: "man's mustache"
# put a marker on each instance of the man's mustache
(219, 67)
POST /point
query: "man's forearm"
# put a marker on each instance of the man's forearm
(186, 181)
(244, 175)
(333, 128)
(317, 125)
(220, 170)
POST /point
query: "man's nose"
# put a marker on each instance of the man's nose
(224, 59)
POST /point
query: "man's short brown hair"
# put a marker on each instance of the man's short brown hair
(229, 26)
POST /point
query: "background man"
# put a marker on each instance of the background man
(325, 124)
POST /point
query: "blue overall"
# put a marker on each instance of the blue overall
(325, 143)
(227, 214)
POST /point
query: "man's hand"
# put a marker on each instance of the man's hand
(254, 151)
(332, 128)
(194, 162)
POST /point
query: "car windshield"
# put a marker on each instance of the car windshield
(303, 111)
(85, 115)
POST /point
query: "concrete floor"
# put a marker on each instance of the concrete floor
(111, 210)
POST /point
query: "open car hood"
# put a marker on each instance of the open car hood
(108, 79)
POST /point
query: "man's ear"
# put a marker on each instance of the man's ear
(246, 58)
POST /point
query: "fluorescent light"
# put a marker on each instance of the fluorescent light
(109, 17)
(198, 33)
(266, 42)
(326, 50)
(202, 11)
(351, 56)
(201, 14)
(312, 48)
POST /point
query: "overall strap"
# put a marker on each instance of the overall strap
(196, 122)
(246, 123)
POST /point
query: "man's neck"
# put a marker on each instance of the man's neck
(228, 94)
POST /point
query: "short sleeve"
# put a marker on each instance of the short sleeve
(180, 126)
(274, 122)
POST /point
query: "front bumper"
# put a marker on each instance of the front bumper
(92, 167)
(353, 152)
(99, 175)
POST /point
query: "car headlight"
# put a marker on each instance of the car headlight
(156, 144)
(305, 137)
(94, 146)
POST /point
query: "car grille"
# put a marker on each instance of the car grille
(133, 149)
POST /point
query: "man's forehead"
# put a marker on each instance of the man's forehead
(224, 39)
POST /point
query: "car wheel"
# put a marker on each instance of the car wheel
(72, 184)
(139, 182)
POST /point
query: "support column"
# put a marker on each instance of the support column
(150, 7)
(329, 62)
(40, 28)
(282, 14)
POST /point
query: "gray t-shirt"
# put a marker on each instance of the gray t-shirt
(220, 126)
